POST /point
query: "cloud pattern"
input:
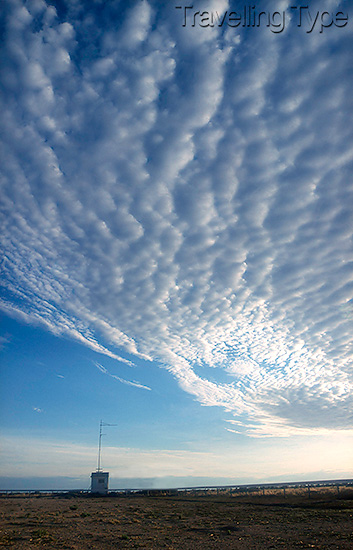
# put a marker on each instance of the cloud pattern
(184, 194)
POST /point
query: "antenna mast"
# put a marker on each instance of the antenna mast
(101, 424)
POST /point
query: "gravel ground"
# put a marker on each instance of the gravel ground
(177, 522)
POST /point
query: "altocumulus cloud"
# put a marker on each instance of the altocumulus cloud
(184, 195)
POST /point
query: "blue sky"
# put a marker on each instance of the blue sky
(177, 259)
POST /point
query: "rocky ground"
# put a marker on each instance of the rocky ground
(290, 521)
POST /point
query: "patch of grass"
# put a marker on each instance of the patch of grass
(41, 535)
(73, 507)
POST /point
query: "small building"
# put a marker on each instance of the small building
(99, 482)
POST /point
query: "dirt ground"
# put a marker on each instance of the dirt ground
(215, 521)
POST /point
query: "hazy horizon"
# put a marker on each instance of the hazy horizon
(173, 482)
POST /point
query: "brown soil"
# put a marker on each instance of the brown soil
(270, 521)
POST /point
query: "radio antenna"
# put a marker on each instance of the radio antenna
(101, 425)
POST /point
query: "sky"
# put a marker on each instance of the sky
(176, 236)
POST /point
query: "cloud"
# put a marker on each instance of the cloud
(137, 25)
(182, 195)
(4, 340)
(133, 383)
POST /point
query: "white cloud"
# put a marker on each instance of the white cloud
(133, 383)
(185, 196)
(137, 24)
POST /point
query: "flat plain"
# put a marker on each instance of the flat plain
(273, 520)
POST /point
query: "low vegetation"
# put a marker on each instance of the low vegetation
(274, 520)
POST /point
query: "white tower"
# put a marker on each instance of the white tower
(100, 479)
